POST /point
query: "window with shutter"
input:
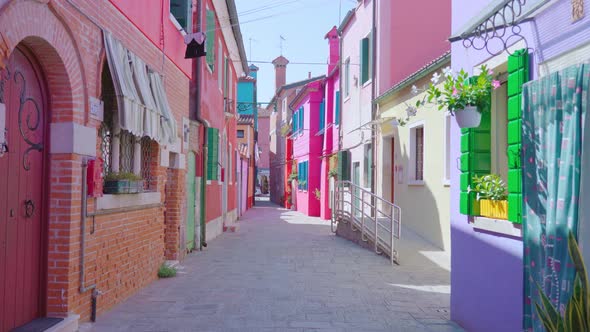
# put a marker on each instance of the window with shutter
(322, 116)
(347, 77)
(301, 119)
(212, 153)
(518, 74)
(337, 108)
(295, 122)
(182, 10)
(210, 42)
(344, 165)
(365, 59)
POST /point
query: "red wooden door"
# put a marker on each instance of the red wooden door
(22, 196)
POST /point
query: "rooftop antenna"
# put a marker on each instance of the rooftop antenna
(282, 40)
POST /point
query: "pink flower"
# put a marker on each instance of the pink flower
(455, 91)
(496, 84)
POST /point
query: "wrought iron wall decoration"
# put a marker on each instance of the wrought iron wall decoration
(499, 30)
(577, 9)
(28, 123)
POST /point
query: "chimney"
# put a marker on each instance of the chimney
(253, 71)
(334, 45)
(308, 74)
(280, 64)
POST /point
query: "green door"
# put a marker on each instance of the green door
(191, 190)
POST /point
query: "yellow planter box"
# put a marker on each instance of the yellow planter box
(493, 209)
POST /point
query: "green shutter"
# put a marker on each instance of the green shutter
(343, 165)
(306, 174)
(476, 159)
(212, 153)
(322, 115)
(210, 42)
(518, 74)
(226, 78)
(365, 60)
(301, 119)
(337, 108)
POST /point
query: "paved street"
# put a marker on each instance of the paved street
(283, 271)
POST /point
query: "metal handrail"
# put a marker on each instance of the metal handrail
(366, 212)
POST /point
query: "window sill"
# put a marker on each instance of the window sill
(109, 202)
(498, 226)
(366, 84)
(446, 182)
(346, 99)
(416, 183)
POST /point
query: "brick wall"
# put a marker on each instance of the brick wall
(125, 249)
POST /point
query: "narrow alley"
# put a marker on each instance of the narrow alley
(283, 271)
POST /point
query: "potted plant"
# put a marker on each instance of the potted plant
(491, 194)
(122, 183)
(462, 96)
(318, 194)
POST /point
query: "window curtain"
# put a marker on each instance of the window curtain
(555, 110)
(130, 108)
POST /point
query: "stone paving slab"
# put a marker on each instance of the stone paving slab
(284, 271)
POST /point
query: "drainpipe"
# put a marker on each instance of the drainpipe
(196, 96)
(83, 288)
(373, 93)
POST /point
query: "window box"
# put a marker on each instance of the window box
(493, 209)
(123, 186)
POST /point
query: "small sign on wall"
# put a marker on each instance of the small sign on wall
(96, 109)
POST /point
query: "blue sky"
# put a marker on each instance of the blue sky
(303, 23)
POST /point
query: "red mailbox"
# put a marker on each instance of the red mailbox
(94, 177)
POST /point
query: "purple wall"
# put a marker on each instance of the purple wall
(486, 268)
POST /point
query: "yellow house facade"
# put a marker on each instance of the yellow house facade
(413, 156)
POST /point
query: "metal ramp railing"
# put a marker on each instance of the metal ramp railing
(378, 220)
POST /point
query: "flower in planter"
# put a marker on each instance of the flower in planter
(490, 187)
(461, 91)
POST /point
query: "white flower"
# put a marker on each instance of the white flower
(435, 78)
(447, 72)
(411, 111)
(414, 90)
(394, 122)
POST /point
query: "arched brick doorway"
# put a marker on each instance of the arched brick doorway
(23, 210)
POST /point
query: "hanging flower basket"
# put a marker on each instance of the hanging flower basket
(469, 117)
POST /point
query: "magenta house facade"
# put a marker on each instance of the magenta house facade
(331, 119)
(308, 110)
